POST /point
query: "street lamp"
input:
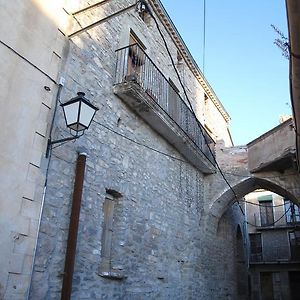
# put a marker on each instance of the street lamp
(78, 113)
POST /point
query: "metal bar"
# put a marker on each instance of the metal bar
(89, 7)
(102, 21)
(59, 141)
(73, 228)
(64, 140)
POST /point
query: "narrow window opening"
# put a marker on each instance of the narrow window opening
(136, 57)
(255, 247)
(106, 269)
(266, 212)
(294, 238)
(292, 212)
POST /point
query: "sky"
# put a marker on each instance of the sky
(242, 64)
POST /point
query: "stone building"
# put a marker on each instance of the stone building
(147, 161)
(136, 208)
(274, 262)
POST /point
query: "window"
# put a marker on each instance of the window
(266, 285)
(294, 237)
(136, 56)
(266, 210)
(179, 58)
(292, 212)
(105, 269)
(255, 247)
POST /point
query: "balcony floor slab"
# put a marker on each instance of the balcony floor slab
(146, 107)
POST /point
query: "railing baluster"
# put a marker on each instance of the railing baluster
(133, 62)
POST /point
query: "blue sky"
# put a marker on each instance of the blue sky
(243, 66)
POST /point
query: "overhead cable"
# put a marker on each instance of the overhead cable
(187, 98)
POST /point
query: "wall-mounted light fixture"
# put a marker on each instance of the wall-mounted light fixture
(78, 113)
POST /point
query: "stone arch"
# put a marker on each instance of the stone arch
(247, 185)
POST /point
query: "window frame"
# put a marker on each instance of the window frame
(266, 213)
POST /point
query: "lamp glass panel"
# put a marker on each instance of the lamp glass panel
(86, 114)
(71, 113)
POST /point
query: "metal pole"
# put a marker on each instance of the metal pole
(102, 20)
(73, 228)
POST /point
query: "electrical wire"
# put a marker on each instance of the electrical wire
(270, 224)
(176, 158)
(192, 110)
(261, 205)
(167, 155)
(28, 61)
(247, 176)
(181, 160)
(188, 100)
(139, 143)
(204, 35)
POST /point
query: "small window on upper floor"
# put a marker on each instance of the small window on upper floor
(255, 247)
(136, 57)
(106, 269)
(292, 212)
(294, 238)
(266, 210)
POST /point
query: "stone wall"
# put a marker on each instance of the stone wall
(31, 51)
(159, 248)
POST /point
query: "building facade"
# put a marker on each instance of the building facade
(147, 159)
(274, 235)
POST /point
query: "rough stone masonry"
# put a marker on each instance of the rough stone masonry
(149, 242)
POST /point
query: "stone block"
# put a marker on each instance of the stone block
(30, 209)
(24, 245)
(33, 228)
(48, 97)
(41, 127)
(21, 225)
(16, 262)
(34, 174)
(27, 265)
(17, 286)
(54, 65)
(36, 156)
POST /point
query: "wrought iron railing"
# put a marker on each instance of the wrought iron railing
(271, 254)
(133, 64)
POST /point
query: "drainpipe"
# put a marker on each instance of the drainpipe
(73, 228)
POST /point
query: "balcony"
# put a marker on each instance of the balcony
(143, 87)
(279, 254)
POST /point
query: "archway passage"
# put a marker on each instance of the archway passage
(231, 200)
(238, 191)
